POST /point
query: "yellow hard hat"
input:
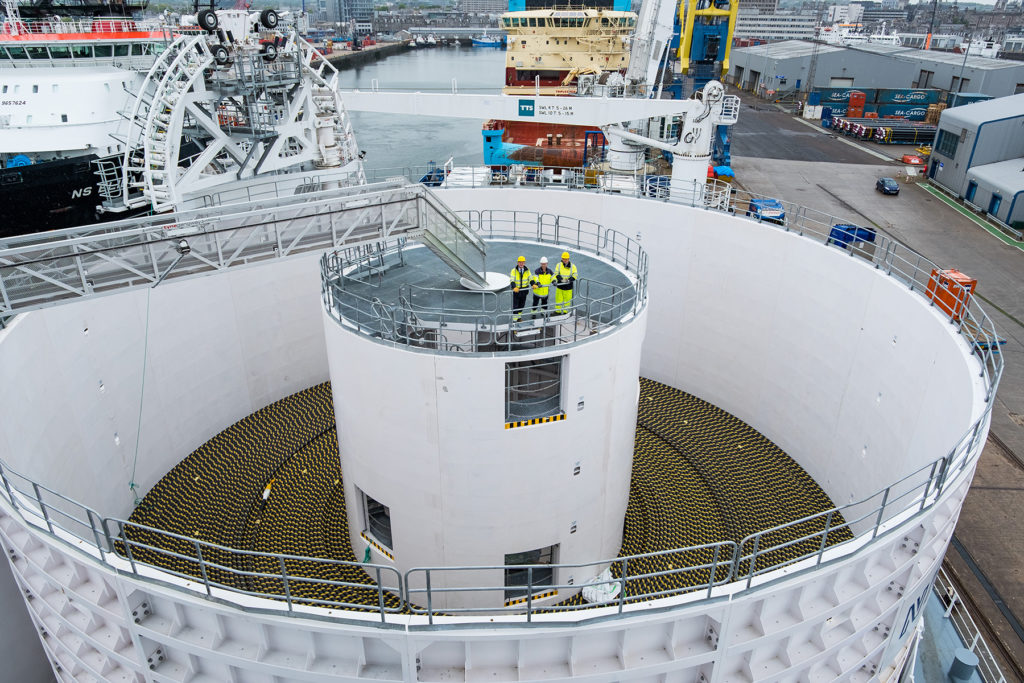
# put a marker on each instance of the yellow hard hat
(521, 259)
(565, 254)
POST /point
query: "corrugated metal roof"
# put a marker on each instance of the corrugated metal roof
(971, 115)
(792, 49)
(1006, 175)
(786, 49)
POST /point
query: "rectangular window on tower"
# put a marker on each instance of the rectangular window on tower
(533, 389)
(530, 572)
(377, 520)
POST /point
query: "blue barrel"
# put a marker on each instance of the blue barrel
(843, 234)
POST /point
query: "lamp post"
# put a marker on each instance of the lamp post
(963, 64)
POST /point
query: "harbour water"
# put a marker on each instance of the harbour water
(394, 141)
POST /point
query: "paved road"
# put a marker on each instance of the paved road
(801, 164)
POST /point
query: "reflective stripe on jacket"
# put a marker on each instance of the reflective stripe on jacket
(566, 272)
(522, 278)
(543, 280)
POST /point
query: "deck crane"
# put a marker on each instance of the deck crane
(618, 117)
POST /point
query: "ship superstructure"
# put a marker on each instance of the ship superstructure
(553, 51)
(106, 117)
(68, 73)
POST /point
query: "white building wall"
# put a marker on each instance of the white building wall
(218, 348)
(424, 434)
(810, 347)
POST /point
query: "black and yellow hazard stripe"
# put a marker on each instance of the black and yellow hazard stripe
(535, 421)
(699, 476)
(381, 549)
(536, 596)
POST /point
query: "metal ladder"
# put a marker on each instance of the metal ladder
(146, 176)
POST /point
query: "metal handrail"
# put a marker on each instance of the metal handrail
(886, 253)
(601, 304)
(110, 537)
(896, 506)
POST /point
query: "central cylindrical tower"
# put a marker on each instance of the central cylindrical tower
(471, 439)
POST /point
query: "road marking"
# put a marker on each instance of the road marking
(967, 213)
(843, 140)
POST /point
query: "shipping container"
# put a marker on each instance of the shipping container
(904, 111)
(842, 95)
(955, 99)
(907, 96)
(834, 110)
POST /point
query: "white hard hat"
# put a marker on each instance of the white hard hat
(543, 259)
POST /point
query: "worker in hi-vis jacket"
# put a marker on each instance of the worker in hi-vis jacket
(521, 280)
(542, 279)
(565, 279)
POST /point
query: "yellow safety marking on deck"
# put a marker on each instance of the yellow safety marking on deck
(523, 600)
(535, 421)
(384, 551)
(970, 215)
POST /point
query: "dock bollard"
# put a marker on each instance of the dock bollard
(965, 663)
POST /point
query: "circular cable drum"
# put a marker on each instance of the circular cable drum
(272, 483)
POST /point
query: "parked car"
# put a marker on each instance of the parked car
(767, 209)
(887, 186)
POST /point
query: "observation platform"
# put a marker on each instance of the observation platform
(402, 293)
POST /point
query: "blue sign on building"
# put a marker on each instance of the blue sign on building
(526, 107)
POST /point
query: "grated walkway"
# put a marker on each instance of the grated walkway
(700, 476)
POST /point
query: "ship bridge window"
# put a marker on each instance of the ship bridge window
(35, 89)
(81, 51)
(533, 389)
(377, 520)
(37, 53)
(121, 50)
(104, 50)
(138, 49)
(519, 579)
(17, 53)
(60, 52)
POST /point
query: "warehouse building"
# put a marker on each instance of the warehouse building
(979, 156)
(766, 69)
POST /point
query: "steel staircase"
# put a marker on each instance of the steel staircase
(452, 240)
(325, 80)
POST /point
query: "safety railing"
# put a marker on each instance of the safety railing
(43, 269)
(808, 542)
(460, 321)
(883, 251)
(293, 580)
(102, 25)
(963, 624)
(619, 582)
